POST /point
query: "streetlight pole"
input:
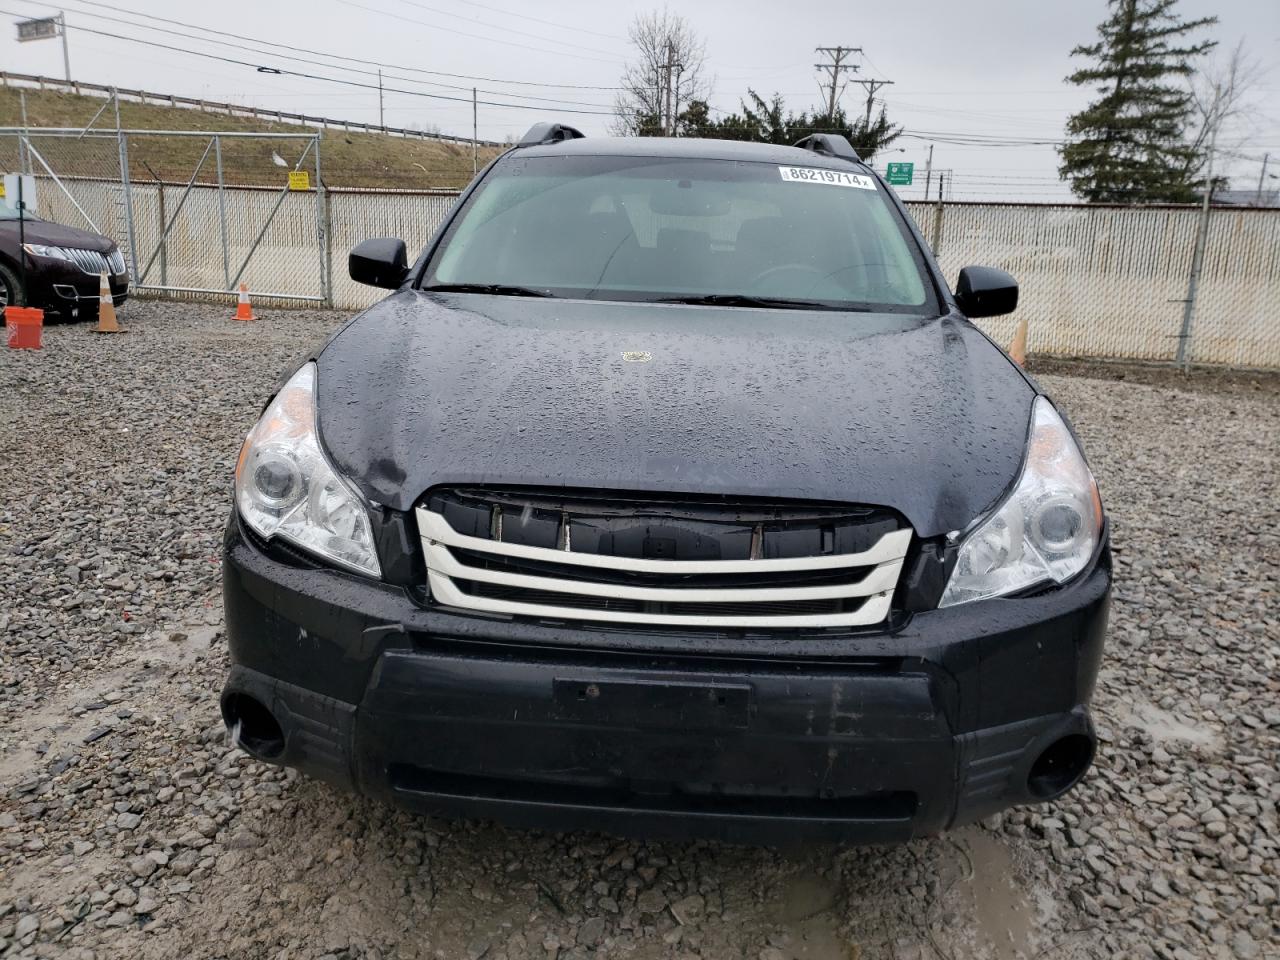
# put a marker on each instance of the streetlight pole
(382, 122)
(66, 55)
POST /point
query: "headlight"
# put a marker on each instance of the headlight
(286, 487)
(1045, 530)
(42, 250)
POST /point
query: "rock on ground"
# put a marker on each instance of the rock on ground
(129, 827)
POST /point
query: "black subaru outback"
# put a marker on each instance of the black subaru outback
(671, 493)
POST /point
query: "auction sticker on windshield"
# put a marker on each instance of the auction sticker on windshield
(838, 178)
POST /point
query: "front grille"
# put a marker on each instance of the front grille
(707, 563)
(91, 261)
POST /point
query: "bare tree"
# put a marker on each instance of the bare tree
(1225, 108)
(667, 74)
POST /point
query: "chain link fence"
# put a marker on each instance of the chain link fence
(1096, 281)
(174, 203)
(1111, 282)
(355, 215)
(88, 194)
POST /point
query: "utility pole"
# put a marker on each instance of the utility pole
(1262, 176)
(837, 63)
(475, 135)
(66, 56)
(928, 172)
(871, 87)
(675, 124)
(381, 118)
(665, 115)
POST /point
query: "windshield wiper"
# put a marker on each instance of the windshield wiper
(745, 300)
(498, 289)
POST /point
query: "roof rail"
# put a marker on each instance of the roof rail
(547, 132)
(829, 144)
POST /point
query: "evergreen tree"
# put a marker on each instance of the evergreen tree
(768, 121)
(1130, 145)
(870, 138)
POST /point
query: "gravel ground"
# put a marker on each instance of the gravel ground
(130, 828)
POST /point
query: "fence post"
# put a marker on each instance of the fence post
(325, 221)
(24, 161)
(937, 221)
(222, 214)
(122, 139)
(1197, 263)
(164, 234)
(1193, 288)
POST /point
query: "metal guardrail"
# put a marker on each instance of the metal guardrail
(229, 109)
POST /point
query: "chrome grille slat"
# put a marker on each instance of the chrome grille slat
(892, 546)
(863, 600)
(94, 262)
(443, 589)
(879, 579)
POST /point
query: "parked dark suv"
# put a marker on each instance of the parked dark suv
(672, 492)
(64, 267)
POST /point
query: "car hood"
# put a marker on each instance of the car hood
(923, 415)
(55, 234)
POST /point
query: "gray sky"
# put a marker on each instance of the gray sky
(991, 67)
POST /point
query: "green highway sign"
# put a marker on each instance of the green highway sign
(899, 174)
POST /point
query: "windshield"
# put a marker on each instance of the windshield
(11, 213)
(641, 228)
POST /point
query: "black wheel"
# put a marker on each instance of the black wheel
(10, 288)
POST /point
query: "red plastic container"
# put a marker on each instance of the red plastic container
(24, 325)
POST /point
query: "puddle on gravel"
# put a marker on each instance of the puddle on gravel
(1161, 725)
(809, 928)
(123, 682)
(1003, 913)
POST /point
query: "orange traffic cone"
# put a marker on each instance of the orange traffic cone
(1018, 349)
(106, 308)
(243, 310)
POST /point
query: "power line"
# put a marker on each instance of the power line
(462, 33)
(549, 23)
(319, 63)
(871, 86)
(313, 76)
(321, 53)
(494, 26)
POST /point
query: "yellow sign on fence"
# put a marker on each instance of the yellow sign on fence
(299, 180)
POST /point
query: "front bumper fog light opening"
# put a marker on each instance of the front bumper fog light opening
(253, 726)
(1060, 766)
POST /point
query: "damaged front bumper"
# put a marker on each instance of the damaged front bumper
(753, 737)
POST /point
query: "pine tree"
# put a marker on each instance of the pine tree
(1131, 145)
(768, 121)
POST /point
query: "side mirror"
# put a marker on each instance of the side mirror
(379, 263)
(986, 292)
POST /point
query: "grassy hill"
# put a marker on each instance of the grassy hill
(347, 159)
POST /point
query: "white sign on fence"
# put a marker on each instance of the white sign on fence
(9, 194)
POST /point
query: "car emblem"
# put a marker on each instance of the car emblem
(637, 356)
